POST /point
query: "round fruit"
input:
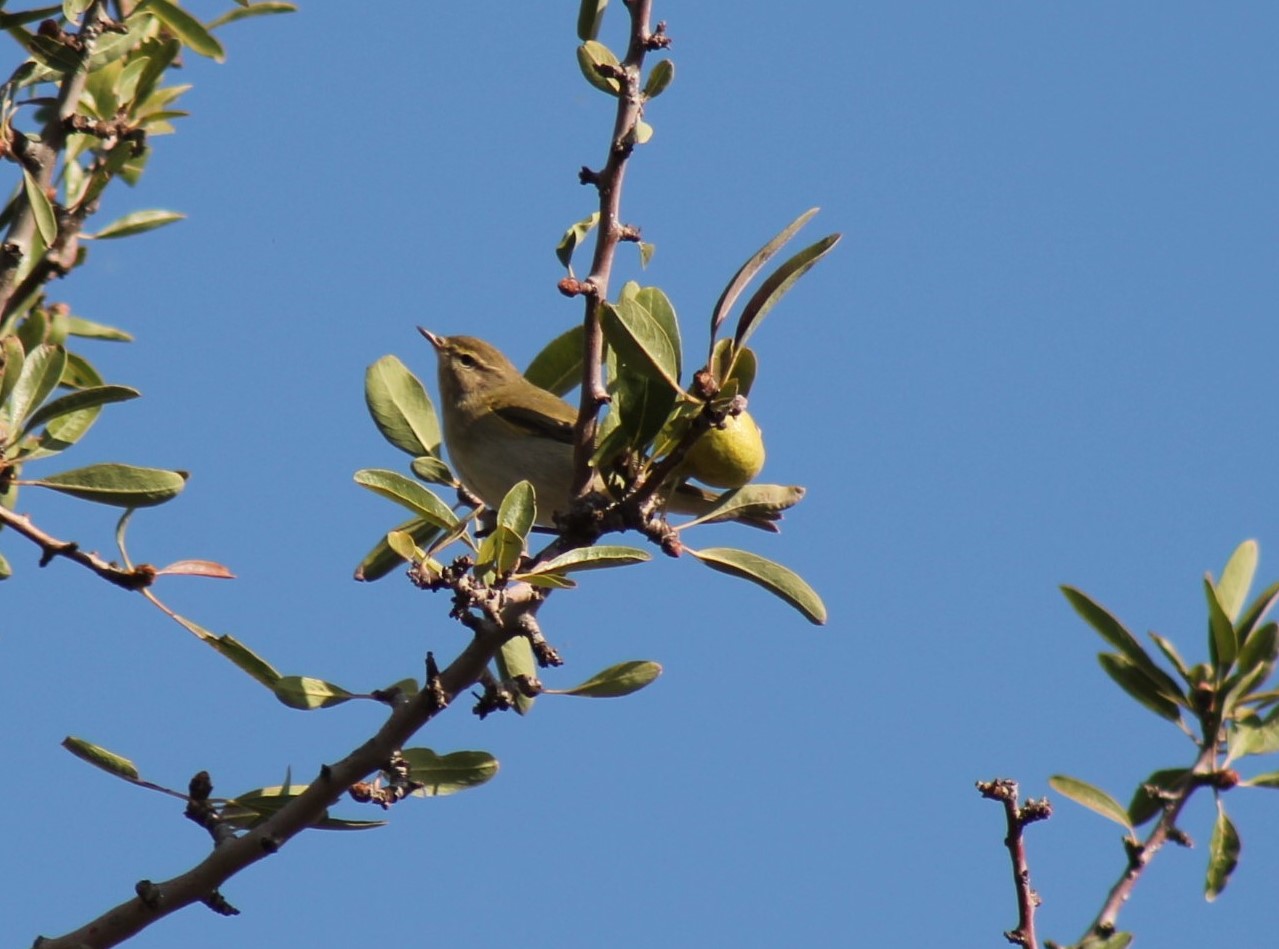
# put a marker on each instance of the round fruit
(728, 457)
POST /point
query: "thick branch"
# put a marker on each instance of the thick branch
(608, 182)
(196, 885)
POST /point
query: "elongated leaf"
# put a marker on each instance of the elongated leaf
(251, 9)
(518, 510)
(589, 16)
(746, 273)
(574, 236)
(196, 568)
(500, 551)
(5, 570)
(244, 657)
(640, 341)
(41, 371)
(1257, 611)
(659, 307)
(659, 78)
(1146, 805)
(118, 485)
(12, 358)
(77, 326)
(1268, 780)
(513, 659)
(447, 774)
(751, 499)
(139, 222)
(777, 285)
(1223, 854)
(400, 407)
(306, 693)
(433, 470)
(591, 558)
(773, 577)
(1259, 653)
(396, 487)
(592, 54)
(1115, 633)
(1137, 684)
(1093, 798)
(1236, 579)
(252, 808)
(1171, 654)
(187, 28)
(615, 681)
(78, 401)
(382, 559)
(558, 367)
(41, 209)
(1221, 631)
(99, 757)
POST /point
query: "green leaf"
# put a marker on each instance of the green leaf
(1236, 579)
(592, 54)
(76, 326)
(1223, 854)
(615, 681)
(573, 237)
(1093, 798)
(1145, 805)
(1137, 684)
(5, 570)
(773, 577)
(1258, 656)
(589, 16)
(243, 657)
(138, 222)
(252, 808)
(41, 209)
(403, 544)
(1115, 633)
(518, 510)
(251, 9)
(12, 358)
(396, 487)
(10, 20)
(1257, 611)
(41, 371)
(1221, 631)
(118, 485)
(1268, 780)
(1114, 941)
(590, 558)
(80, 374)
(746, 273)
(447, 774)
(640, 405)
(99, 757)
(1171, 654)
(751, 499)
(400, 407)
(432, 470)
(187, 28)
(306, 693)
(500, 551)
(659, 307)
(777, 285)
(640, 341)
(382, 559)
(558, 367)
(513, 659)
(1247, 738)
(659, 78)
(78, 401)
(643, 132)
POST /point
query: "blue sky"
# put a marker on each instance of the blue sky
(1039, 356)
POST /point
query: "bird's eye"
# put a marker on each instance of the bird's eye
(467, 360)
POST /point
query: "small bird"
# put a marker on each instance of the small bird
(501, 429)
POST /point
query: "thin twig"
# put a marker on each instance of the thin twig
(1005, 791)
(135, 578)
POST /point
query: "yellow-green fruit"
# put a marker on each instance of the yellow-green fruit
(728, 457)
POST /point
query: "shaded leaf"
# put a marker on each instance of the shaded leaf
(448, 774)
(1257, 611)
(1145, 805)
(640, 341)
(773, 577)
(396, 487)
(248, 10)
(382, 559)
(187, 28)
(99, 757)
(659, 307)
(1171, 654)
(137, 223)
(307, 693)
(433, 470)
(41, 209)
(41, 371)
(515, 658)
(589, 16)
(1093, 798)
(1223, 643)
(777, 285)
(574, 236)
(1115, 633)
(12, 358)
(590, 558)
(558, 367)
(500, 551)
(746, 273)
(118, 485)
(615, 681)
(1137, 684)
(1255, 738)
(1223, 854)
(751, 499)
(400, 407)
(79, 400)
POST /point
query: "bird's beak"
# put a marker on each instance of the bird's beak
(436, 341)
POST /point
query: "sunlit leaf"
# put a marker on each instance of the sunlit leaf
(187, 28)
(615, 681)
(640, 341)
(574, 236)
(776, 286)
(396, 487)
(1223, 854)
(589, 16)
(99, 757)
(400, 407)
(382, 559)
(251, 9)
(1221, 631)
(1115, 633)
(1093, 798)
(138, 222)
(76, 326)
(592, 54)
(746, 273)
(1236, 579)
(243, 657)
(659, 78)
(591, 558)
(41, 371)
(515, 658)
(773, 577)
(78, 401)
(117, 485)
(306, 693)
(558, 367)
(41, 209)
(751, 499)
(447, 774)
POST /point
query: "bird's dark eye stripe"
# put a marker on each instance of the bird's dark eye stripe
(467, 360)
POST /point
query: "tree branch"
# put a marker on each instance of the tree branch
(1005, 791)
(135, 578)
